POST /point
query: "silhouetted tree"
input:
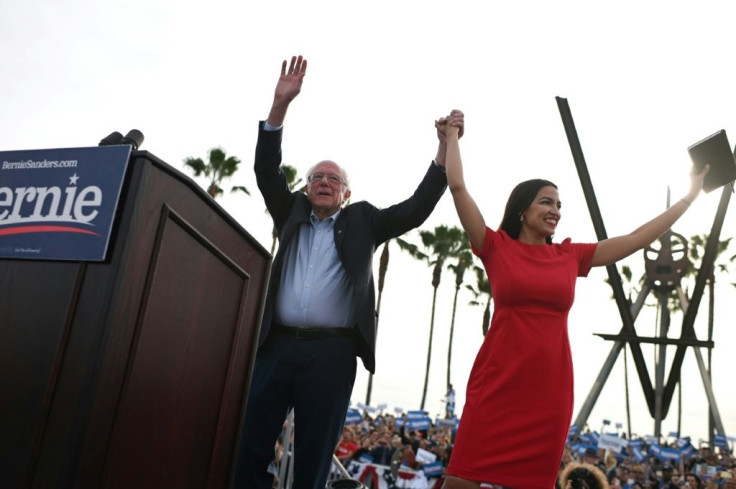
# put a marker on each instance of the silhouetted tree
(218, 168)
(464, 260)
(482, 288)
(442, 243)
(293, 181)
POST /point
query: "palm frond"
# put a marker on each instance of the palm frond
(240, 188)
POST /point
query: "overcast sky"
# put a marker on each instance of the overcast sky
(644, 80)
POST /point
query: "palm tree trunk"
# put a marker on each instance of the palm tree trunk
(275, 235)
(626, 389)
(679, 406)
(452, 331)
(711, 308)
(429, 351)
(382, 267)
(212, 190)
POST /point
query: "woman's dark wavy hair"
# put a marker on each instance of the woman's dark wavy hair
(520, 199)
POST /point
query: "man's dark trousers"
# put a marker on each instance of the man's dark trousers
(316, 377)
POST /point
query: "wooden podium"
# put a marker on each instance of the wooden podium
(133, 372)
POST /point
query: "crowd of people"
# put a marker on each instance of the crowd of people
(386, 440)
(382, 440)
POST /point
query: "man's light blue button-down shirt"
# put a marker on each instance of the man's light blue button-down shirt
(314, 290)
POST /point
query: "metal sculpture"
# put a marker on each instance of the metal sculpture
(664, 268)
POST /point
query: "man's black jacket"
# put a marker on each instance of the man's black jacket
(359, 230)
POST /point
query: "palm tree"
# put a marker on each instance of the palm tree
(443, 243)
(464, 261)
(382, 268)
(482, 287)
(293, 182)
(219, 167)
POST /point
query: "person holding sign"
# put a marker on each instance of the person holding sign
(519, 397)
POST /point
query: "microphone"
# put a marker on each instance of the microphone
(133, 138)
(112, 138)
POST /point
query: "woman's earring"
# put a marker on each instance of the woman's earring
(521, 218)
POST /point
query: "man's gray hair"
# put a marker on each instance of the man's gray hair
(343, 172)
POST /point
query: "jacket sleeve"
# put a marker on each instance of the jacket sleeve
(411, 213)
(271, 180)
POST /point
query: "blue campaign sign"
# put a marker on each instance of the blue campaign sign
(447, 423)
(720, 441)
(59, 204)
(665, 453)
(353, 417)
(433, 469)
(419, 423)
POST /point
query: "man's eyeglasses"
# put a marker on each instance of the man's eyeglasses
(332, 178)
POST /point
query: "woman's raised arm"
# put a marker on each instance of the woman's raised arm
(613, 249)
(467, 210)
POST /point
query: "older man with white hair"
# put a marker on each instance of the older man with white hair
(320, 308)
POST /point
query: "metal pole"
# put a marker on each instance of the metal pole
(600, 381)
(688, 322)
(613, 275)
(660, 363)
(705, 375)
(287, 458)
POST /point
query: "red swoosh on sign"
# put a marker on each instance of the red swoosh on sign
(44, 229)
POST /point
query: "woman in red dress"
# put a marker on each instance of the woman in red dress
(519, 397)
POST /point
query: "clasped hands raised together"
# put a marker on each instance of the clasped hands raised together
(450, 125)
